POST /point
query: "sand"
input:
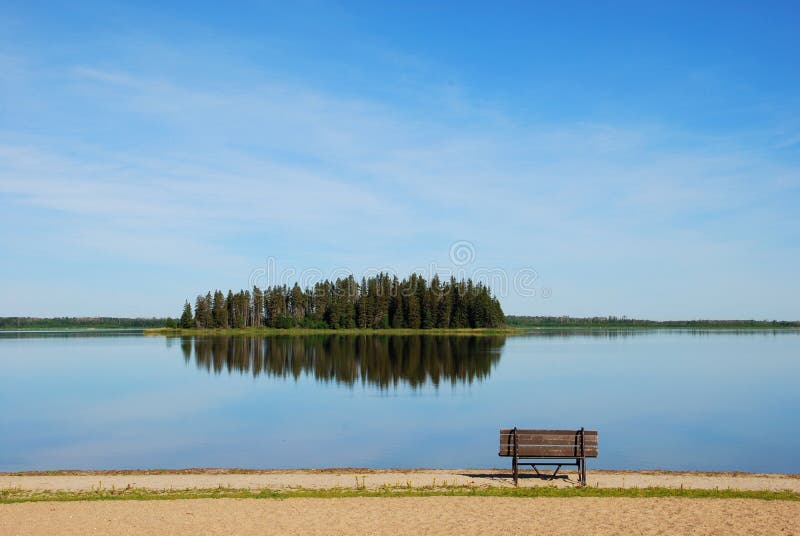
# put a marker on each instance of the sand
(406, 515)
(331, 478)
(398, 515)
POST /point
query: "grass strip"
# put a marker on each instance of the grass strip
(8, 496)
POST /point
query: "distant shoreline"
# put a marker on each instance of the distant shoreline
(459, 331)
(508, 330)
(512, 325)
(614, 322)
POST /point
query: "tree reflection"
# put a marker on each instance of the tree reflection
(378, 360)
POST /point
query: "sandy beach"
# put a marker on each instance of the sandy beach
(376, 478)
(430, 515)
(397, 515)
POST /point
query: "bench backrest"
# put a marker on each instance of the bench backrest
(548, 443)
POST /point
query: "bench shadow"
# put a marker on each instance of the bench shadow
(504, 476)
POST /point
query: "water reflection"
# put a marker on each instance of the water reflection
(380, 361)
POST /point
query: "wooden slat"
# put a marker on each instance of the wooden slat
(547, 443)
(554, 452)
(506, 431)
(527, 439)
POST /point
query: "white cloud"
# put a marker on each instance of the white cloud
(189, 167)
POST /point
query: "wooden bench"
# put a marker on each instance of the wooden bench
(548, 445)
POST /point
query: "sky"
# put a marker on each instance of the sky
(636, 159)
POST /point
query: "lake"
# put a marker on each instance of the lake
(680, 400)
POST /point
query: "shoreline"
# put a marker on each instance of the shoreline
(489, 480)
(508, 330)
(459, 331)
(365, 470)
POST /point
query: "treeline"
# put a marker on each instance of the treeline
(378, 302)
(27, 322)
(614, 321)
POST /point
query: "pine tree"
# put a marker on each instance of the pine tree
(219, 310)
(297, 302)
(397, 307)
(187, 321)
(202, 312)
(208, 318)
(444, 312)
(381, 302)
(363, 312)
(229, 307)
(412, 316)
(257, 309)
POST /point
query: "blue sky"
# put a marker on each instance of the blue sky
(640, 160)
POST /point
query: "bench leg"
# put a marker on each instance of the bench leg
(515, 469)
(547, 476)
(558, 468)
(581, 471)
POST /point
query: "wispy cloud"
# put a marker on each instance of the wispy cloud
(171, 168)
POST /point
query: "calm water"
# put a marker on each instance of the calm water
(660, 399)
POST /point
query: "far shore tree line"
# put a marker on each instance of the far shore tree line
(379, 302)
(73, 322)
(12, 323)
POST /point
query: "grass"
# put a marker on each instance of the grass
(15, 495)
(506, 330)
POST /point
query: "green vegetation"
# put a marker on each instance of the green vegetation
(568, 322)
(274, 311)
(378, 303)
(19, 322)
(137, 494)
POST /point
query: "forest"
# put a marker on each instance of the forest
(103, 322)
(379, 302)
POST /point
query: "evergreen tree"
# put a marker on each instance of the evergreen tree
(257, 307)
(239, 307)
(297, 302)
(413, 314)
(187, 321)
(377, 302)
(363, 307)
(444, 312)
(208, 317)
(229, 307)
(219, 309)
(198, 312)
(202, 312)
(397, 307)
